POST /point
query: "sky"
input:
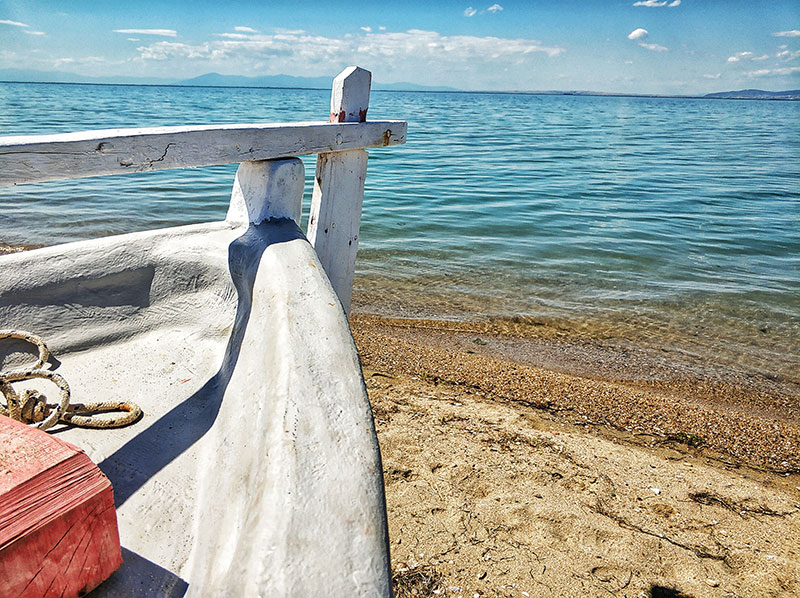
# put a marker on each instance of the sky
(631, 46)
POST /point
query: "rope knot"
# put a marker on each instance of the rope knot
(32, 407)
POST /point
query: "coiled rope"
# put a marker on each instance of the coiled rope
(32, 408)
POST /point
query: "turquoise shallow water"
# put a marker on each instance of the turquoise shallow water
(669, 219)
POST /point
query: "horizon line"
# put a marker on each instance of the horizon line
(707, 96)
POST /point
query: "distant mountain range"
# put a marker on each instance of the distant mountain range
(289, 81)
(756, 94)
(217, 80)
(207, 80)
(745, 94)
(31, 76)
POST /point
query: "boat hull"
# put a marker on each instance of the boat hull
(255, 469)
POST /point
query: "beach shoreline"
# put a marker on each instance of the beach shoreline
(748, 416)
(599, 472)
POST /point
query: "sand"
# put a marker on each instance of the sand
(578, 479)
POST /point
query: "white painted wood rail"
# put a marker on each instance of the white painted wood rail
(269, 181)
(36, 158)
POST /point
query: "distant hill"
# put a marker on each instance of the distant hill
(217, 80)
(207, 80)
(756, 94)
(32, 76)
(290, 81)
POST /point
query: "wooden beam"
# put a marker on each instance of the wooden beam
(36, 158)
(335, 215)
(58, 526)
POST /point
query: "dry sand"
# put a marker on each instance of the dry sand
(579, 478)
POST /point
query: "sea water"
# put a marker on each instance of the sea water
(665, 220)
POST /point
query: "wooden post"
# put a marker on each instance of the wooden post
(339, 188)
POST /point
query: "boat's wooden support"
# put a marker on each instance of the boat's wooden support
(37, 158)
(267, 189)
(335, 215)
(58, 526)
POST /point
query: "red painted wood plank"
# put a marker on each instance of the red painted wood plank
(58, 525)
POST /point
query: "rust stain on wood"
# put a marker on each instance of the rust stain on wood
(341, 116)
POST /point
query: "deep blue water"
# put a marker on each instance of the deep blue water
(673, 217)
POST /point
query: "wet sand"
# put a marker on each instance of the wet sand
(751, 417)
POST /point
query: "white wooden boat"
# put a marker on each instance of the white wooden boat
(255, 470)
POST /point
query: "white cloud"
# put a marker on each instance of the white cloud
(654, 47)
(167, 50)
(470, 12)
(787, 54)
(33, 32)
(403, 54)
(629, 62)
(367, 29)
(717, 76)
(638, 34)
(161, 32)
(233, 35)
(739, 56)
(657, 3)
(381, 28)
(133, 39)
(762, 57)
(494, 8)
(774, 72)
(13, 23)
(243, 29)
(792, 33)
(85, 60)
